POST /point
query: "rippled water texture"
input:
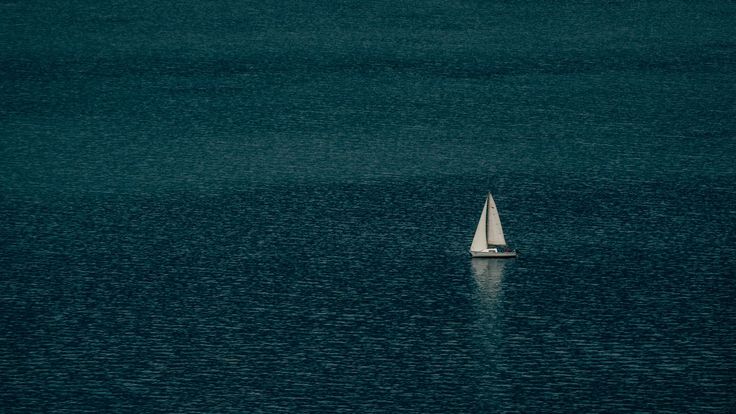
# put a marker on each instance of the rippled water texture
(260, 207)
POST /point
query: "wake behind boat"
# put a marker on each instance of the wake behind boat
(489, 240)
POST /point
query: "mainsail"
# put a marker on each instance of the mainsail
(495, 231)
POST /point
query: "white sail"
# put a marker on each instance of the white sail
(494, 232)
(480, 241)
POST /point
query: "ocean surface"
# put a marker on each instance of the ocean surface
(266, 207)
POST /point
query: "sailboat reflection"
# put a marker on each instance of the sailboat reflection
(488, 330)
(488, 296)
(488, 276)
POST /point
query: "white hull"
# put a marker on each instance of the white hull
(491, 253)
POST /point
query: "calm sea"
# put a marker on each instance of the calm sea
(264, 207)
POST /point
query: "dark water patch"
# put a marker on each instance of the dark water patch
(706, 58)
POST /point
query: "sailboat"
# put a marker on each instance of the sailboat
(488, 240)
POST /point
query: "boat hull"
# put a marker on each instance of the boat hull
(492, 254)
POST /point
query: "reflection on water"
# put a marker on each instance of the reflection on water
(488, 275)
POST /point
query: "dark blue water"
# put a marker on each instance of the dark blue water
(265, 207)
